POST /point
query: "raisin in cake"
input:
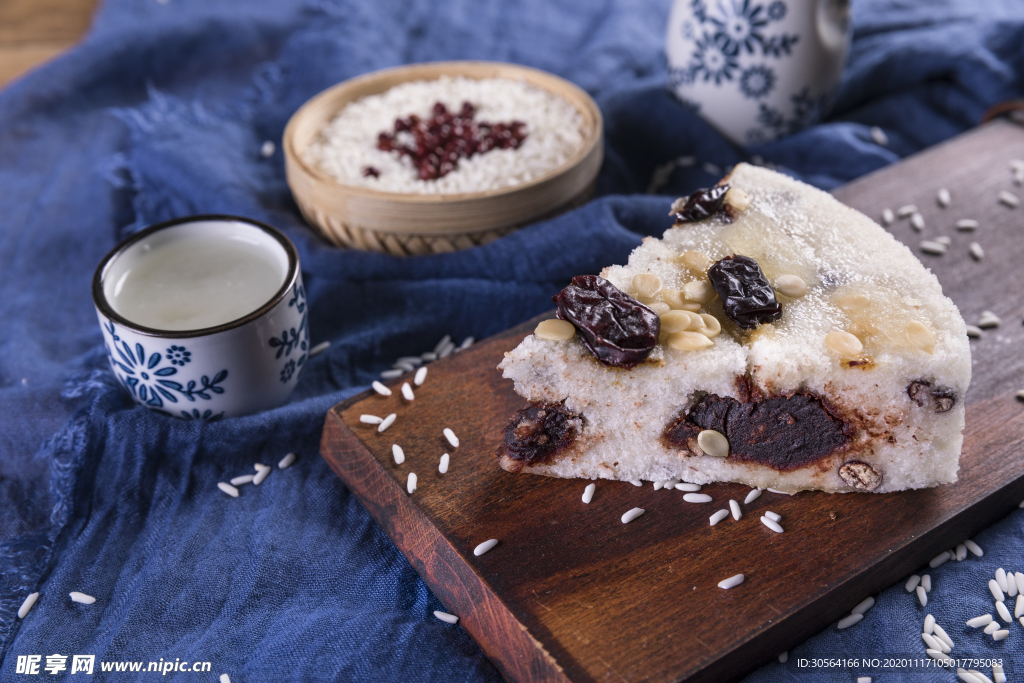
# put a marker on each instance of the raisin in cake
(773, 337)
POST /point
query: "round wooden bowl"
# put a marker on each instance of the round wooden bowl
(404, 224)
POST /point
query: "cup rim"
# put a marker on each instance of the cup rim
(103, 306)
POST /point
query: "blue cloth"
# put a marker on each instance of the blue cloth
(161, 112)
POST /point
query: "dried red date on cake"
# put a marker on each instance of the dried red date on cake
(782, 432)
(747, 296)
(615, 327)
(703, 203)
(539, 432)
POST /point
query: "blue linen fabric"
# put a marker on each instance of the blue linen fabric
(161, 112)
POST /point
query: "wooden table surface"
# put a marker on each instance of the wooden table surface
(34, 31)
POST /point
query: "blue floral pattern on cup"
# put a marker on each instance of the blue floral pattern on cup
(293, 338)
(146, 375)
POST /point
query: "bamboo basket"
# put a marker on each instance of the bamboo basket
(407, 224)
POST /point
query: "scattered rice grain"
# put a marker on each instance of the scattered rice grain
(940, 559)
(636, 482)
(941, 634)
(319, 348)
(978, 622)
(932, 642)
(967, 225)
(445, 617)
(774, 516)
(785, 493)
(1000, 635)
(1008, 199)
(734, 507)
(688, 487)
(81, 598)
(26, 605)
(771, 524)
(944, 239)
(286, 461)
(403, 365)
(697, 498)
(879, 137)
(912, 583)
(261, 475)
(719, 516)
(992, 628)
(784, 656)
(917, 222)
(228, 489)
(961, 552)
(1018, 611)
(1001, 579)
(380, 388)
(588, 493)
(974, 548)
(410, 484)
(863, 606)
(929, 624)
(630, 515)
(428, 356)
(466, 343)
(407, 392)
(445, 341)
(934, 248)
(922, 596)
(224, 678)
(370, 419)
(906, 210)
(398, 453)
(1004, 613)
(943, 198)
(752, 495)
(244, 479)
(452, 439)
(387, 422)
(443, 466)
(420, 377)
(887, 217)
(847, 622)
(731, 582)
(926, 583)
(391, 374)
(976, 251)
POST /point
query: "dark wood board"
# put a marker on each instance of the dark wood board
(572, 594)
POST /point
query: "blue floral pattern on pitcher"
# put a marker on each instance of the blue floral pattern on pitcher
(743, 46)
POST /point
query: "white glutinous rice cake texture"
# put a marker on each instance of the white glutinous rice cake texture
(858, 385)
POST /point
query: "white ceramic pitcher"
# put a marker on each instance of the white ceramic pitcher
(757, 70)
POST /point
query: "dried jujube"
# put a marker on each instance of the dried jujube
(747, 296)
(615, 327)
(703, 203)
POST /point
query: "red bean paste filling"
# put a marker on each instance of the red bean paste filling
(539, 432)
(782, 432)
(616, 328)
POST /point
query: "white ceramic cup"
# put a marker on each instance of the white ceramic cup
(757, 70)
(235, 368)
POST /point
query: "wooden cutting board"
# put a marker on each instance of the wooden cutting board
(572, 594)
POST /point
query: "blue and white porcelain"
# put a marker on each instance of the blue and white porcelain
(236, 368)
(757, 70)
